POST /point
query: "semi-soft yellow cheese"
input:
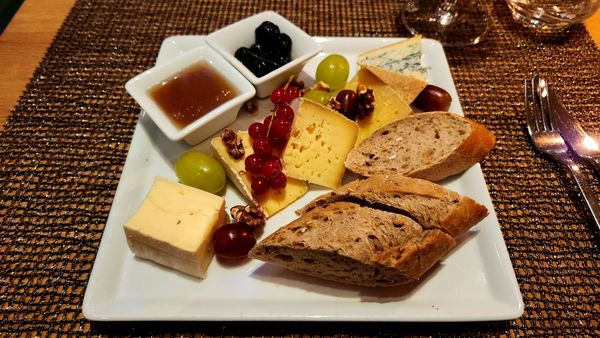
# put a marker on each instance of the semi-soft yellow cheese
(271, 201)
(320, 140)
(389, 106)
(174, 226)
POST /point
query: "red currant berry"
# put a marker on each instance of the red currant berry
(257, 130)
(254, 163)
(280, 127)
(291, 94)
(277, 141)
(259, 185)
(262, 147)
(267, 122)
(278, 95)
(279, 181)
(233, 240)
(285, 111)
(271, 168)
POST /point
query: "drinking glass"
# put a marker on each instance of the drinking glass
(452, 22)
(551, 15)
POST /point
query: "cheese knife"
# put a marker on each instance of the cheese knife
(580, 142)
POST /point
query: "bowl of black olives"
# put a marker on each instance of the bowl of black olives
(266, 48)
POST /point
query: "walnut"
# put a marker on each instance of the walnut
(321, 86)
(251, 215)
(365, 101)
(233, 143)
(251, 107)
(334, 104)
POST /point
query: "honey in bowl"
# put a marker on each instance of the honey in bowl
(192, 93)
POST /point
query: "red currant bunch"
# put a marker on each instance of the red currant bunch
(272, 133)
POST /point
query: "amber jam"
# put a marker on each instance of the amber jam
(192, 93)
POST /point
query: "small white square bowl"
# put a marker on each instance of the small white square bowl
(241, 34)
(139, 88)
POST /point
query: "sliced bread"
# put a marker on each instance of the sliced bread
(352, 244)
(429, 204)
(380, 231)
(431, 146)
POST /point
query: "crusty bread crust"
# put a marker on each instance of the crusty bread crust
(474, 148)
(431, 205)
(353, 244)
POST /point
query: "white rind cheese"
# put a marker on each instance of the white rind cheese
(400, 57)
(271, 201)
(399, 66)
(174, 226)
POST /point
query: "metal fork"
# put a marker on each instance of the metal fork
(548, 140)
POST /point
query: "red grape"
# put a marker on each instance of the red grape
(259, 185)
(279, 181)
(254, 163)
(271, 168)
(262, 147)
(278, 95)
(257, 130)
(233, 240)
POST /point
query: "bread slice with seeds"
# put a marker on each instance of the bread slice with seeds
(380, 231)
(431, 146)
(357, 245)
(430, 204)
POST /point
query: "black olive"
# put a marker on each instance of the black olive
(283, 43)
(257, 48)
(243, 54)
(281, 60)
(266, 33)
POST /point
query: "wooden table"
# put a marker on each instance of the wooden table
(23, 44)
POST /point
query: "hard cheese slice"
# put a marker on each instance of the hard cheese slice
(389, 106)
(273, 200)
(174, 226)
(319, 142)
(398, 65)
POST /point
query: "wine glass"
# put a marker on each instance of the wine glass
(455, 23)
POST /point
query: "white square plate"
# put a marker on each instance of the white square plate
(475, 282)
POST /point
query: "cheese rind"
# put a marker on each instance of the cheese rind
(320, 140)
(271, 201)
(174, 226)
(389, 106)
(398, 65)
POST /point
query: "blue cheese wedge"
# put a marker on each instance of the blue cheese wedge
(399, 66)
(174, 227)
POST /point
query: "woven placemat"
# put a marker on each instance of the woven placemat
(65, 144)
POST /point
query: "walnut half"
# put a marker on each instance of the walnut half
(251, 215)
(233, 143)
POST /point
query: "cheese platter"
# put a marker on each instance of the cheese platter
(474, 282)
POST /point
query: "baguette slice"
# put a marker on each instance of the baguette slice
(353, 244)
(431, 146)
(429, 204)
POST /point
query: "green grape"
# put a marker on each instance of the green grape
(200, 170)
(320, 96)
(334, 71)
